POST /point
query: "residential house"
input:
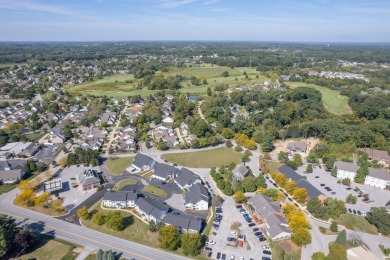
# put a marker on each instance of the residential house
(297, 147)
(270, 213)
(93, 143)
(167, 119)
(151, 209)
(378, 156)
(301, 182)
(11, 171)
(164, 171)
(107, 117)
(346, 170)
(185, 223)
(29, 151)
(166, 134)
(186, 178)
(56, 135)
(142, 162)
(120, 199)
(10, 150)
(240, 172)
(88, 179)
(378, 178)
(197, 198)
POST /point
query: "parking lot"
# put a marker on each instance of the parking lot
(72, 197)
(230, 215)
(376, 195)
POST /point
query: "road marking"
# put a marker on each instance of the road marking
(96, 241)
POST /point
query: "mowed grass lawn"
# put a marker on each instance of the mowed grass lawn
(332, 100)
(136, 231)
(272, 166)
(48, 249)
(356, 223)
(205, 159)
(116, 166)
(155, 191)
(122, 183)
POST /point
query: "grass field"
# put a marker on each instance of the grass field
(7, 187)
(333, 101)
(272, 166)
(116, 166)
(34, 136)
(205, 159)
(357, 223)
(122, 183)
(137, 231)
(52, 249)
(155, 191)
(293, 254)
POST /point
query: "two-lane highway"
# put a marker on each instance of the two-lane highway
(85, 236)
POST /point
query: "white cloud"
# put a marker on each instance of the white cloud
(175, 3)
(33, 6)
(210, 2)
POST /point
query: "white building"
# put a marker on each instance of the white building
(378, 178)
(346, 170)
(197, 198)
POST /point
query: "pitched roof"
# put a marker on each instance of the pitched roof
(346, 166)
(186, 177)
(141, 160)
(151, 207)
(120, 196)
(164, 170)
(377, 154)
(264, 205)
(10, 175)
(241, 169)
(379, 174)
(297, 145)
(196, 193)
(88, 177)
(183, 221)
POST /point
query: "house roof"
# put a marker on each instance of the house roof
(276, 230)
(164, 170)
(141, 160)
(183, 221)
(12, 164)
(88, 177)
(377, 154)
(379, 174)
(241, 169)
(10, 175)
(196, 193)
(297, 146)
(186, 177)
(121, 196)
(264, 205)
(346, 166)
(151, 207)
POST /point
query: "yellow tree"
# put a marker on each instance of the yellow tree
(57, 205)
(281, 196)
(301, 236)
(298, 220)
(290, 186)
(300, 195)
(42, 200)
(63, 162)
(26, 185)
(37, 180)
(239, 197)
(289, 210)
(280, 179)
(25, 198)
(48, 174)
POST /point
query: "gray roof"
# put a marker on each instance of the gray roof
(277, 229)
(140, 160)
(379, 174)
(290, 173)
(151, 207)
(264, 205)
(88, 177)
(10, 175)
(183, 221)
(294, 146)
(164, 170)
(186, 177)
(346, 166)
(196, 193)
(12, 164)
(121, 196)
(377, 154)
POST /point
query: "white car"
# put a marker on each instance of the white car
(210, 242)
(232, 257)
(266, 248)
(241, 258)
(234, 233)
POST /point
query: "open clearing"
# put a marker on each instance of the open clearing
(333, 101)
(116, 166)
(357, 223)
(205, 159)
(52, 249)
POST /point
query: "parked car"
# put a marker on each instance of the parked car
(261, 239)
(208, 248)
(213, 233)
(223, 256)
(234, 233)
(256, 229)
(333, 193)
(251, 224)
(258, 233)
(238, 206)
(317, 177)
(349, 188)
(359, 213)
(266, 248)
(322, 184)
(218, 255)
(349, 210)
(354, 211)
(265, 258)
(266, 252)
(73, 179)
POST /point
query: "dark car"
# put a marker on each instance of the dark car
(354, 211)
(73, 179)
(296, 205)
(290, 199)
(317, 177)
(251, 224)
(360, 195)
(223, 256)
(256, 229)
(266, 252)
(218, 255)
(258, 233)
(261, 239)
(265, 258)
(349, 188)
(322, 185)
(208, 248)
(359, 213)
(238, 206)
(349, 210)
(329, 189)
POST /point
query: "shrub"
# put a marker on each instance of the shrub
(322, 230)
(333, 227)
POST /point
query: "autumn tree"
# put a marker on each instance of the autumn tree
(280, 179)
(337, 252)
(63, 162)
(115, 221)
(99, 218)
(25, 198)
(48, 175)
(300, 195)
(301, 236)
(290, 186)
(191, 244)
(169, 237)
(57, 205)
(42, 200)
(239, 197)
(83, 213)
(26, 185)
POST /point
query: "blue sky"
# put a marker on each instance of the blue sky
(238, 20)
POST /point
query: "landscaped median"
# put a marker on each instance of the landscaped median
(122, 183)
(117, 165)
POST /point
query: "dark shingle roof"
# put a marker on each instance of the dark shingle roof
(164, 170)
(151, 207)
(186, 177)
(141, 160)
(88, 177)
(121, 196)
(290, 173)
(183, 221)
(196, 193)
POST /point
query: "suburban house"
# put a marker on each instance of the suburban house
(346, 170)
(301, 182)
(378, 178)
(108, 117)
(88, 179)
(164, 171)
(120, 199)
(11, 171)
(186, 178)
(183, 222)
(297, 147)
(151, 209)
(56, 135)
(29, 151)
(142, 162)
(270, 213)
(166, 134)
(240, 171)
(378, 155)
(197, 198)
(167, 119)
(21, 149)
